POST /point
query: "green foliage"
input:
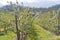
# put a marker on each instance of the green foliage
(48, 21)
(37, 27)
(8, 36)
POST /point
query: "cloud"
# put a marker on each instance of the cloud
(33, 2)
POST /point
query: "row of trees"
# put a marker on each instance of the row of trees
(50, 21)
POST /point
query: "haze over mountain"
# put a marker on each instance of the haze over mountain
(8, 7)
(33, 3)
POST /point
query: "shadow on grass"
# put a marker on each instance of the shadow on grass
(2, 33)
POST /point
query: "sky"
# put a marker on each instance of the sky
(32, 3)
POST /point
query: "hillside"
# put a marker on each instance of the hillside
(34, 23)
(41, 13)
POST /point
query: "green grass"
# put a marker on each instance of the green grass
(43, 34)
(8, 36)
(58, 39)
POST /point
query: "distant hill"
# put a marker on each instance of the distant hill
(9, 8)
(21, 8)
(55, 6)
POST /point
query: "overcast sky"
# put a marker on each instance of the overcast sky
(33, 3)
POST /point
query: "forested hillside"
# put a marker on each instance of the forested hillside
(32, 23)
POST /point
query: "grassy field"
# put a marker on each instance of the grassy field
(42, 34)
(8, 36)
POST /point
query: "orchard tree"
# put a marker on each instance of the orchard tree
(24, 23)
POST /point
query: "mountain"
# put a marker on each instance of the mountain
(55, 7)
(21, 8)
(9, 8)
